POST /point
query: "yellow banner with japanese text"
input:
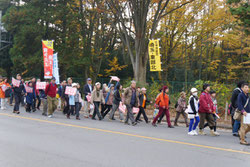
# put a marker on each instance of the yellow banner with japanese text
(154, 55)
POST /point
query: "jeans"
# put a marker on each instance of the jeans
(192, 125)
(236, 127)
(96, 111)
(18, 100)
(11, 98)
(66, 107)
(78, 107)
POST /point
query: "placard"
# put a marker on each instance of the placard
(70, 91)
(41, 85)
(15, 82)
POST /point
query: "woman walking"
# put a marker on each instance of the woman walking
(163, 102)
(96, 99)
(180, 110)
(4, 85)
(192, 112)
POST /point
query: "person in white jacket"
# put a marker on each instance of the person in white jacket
(192, 112)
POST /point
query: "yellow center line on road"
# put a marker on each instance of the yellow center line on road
(128, 134)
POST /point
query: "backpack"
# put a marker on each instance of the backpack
(8, 92)
(176, 105)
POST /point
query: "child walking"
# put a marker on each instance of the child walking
(72, 103)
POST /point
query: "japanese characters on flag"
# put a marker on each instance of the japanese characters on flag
(41, 85)
(135, 110)
(15, 82)
(70, 91)
(55, 68)
(28, 89)
(48, 58)
(115, 78)
(122, 108)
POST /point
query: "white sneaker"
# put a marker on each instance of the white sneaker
(50, 116)
(191, 133)
(195, 133)
(216, 133)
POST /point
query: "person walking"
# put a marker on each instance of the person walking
(206, 111)
(108, 100)
(4, 85)
(50, 92)
(234, 106)
(116, 103)
(87, 90)
(44, 101)
(66, 97)
(243, 102)
(143, 100)
(163, 102)
(192, 111)
(72, 100)
(213, 96)
(30, 97)
(19, 93)
(96, 99)
(180, 110)
(78, 101)
(131, 99)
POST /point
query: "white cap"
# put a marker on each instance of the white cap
(193, 90)
(74, 84)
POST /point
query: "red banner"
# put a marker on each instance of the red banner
(48, 59)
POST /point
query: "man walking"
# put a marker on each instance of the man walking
(18, 94)
(131, 96)
(244, 107)
(50, 92)
(87, 90)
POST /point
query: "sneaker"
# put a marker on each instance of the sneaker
(191, 133)
(195, 133)
(170, 126)
(134, 123)
(78, 118)
(18, 112)
(126, 123)
(176, 124)
(244, 142)
(217, 134)
(212, 133)
(44, 114)
(201, 132)
(154, 125)
(50, 116)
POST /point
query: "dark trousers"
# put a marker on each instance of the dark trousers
(178, 115)
(206, 124)
(18, 99)
(39, 101)
(78, 107)
(162, 110)
(22, 100)
(142, 111)
(161, 117)
(96, 111)
(11, 98)
(28, 107)
(103, 108)
(66, 107)
(71, 110)
(209, 118)
(107, 110)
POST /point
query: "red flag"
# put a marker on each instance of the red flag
(48, 59)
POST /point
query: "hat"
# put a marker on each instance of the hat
(69, 79)
(53, 78)
(212, 91)
(193, 90)
(89, 79)
(74, 84)
(97, 83)
(164, 88)
(143, 89)
(182, 93)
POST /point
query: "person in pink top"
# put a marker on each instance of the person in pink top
(206, 110)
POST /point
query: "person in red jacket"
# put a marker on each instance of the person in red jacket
(206, 110)
(50, 91)
(163, 101)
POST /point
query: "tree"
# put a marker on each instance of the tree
(137, 22)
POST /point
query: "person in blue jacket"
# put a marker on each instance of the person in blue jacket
(30, 98)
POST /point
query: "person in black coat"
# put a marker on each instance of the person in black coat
(143, 100)
(116, 102)
(234, 106)
(87, 89)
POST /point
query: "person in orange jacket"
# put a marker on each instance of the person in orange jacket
(4, 85)
(163, 101)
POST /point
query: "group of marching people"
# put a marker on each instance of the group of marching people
(201, 110)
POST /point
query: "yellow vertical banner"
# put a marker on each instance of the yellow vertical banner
(154, 55)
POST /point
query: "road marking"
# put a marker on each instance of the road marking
(128, 134)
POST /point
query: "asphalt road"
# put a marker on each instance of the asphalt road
(32, 140)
